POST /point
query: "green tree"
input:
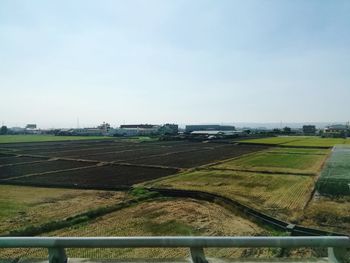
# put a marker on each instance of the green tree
(276, 131)
(3, 130)
(287, 130)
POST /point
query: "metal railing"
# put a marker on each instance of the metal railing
(337, 246)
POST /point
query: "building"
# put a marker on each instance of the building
(137, 130)
(31, 126)
(105, 127)
(88, 132)
(192, 128)
(32, 129)
(336, 131)
(309, 129)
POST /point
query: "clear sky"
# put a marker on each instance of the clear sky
(182, 61)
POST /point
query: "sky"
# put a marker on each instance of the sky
(173, 61)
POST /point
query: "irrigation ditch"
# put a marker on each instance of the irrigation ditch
(156, 193)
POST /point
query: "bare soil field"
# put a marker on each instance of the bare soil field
(49, 146)
(131, 155)
(83, 152)
(40, 167)
(161, 217)
(29, 144)
(173, 154)
(2, 154)
(108, 176)
(64, 147)
(201, 157)
(108, 149)
(13, 160)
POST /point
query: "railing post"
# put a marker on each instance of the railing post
(337, 255)
(57, 255)
(197, 255)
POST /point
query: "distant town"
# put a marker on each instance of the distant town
(168, 130)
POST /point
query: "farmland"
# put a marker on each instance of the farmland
(22, 206)
(278, 181)
(160, 217)
(45, 138)
(285, 160)
(329, 213)
(279, 195)
(107, 176)
(16, 160)
(110, 164)
(335, 178)
(37, 167)
(299, 141)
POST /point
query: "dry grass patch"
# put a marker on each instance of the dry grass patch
(22, 206)
(283, 196)
(329, 213)
(161, 217)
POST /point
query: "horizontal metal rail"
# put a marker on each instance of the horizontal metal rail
(132, 242)
(337, 246)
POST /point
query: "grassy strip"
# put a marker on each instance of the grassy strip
(298, 141)
(246, 170)
(139, 195)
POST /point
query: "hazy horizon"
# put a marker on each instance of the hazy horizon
(268, 125)
(174, 62)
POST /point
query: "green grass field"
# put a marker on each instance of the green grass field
(335, 177)
(46, 138)
(284, 160)
(311, 141)
(278, 195)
